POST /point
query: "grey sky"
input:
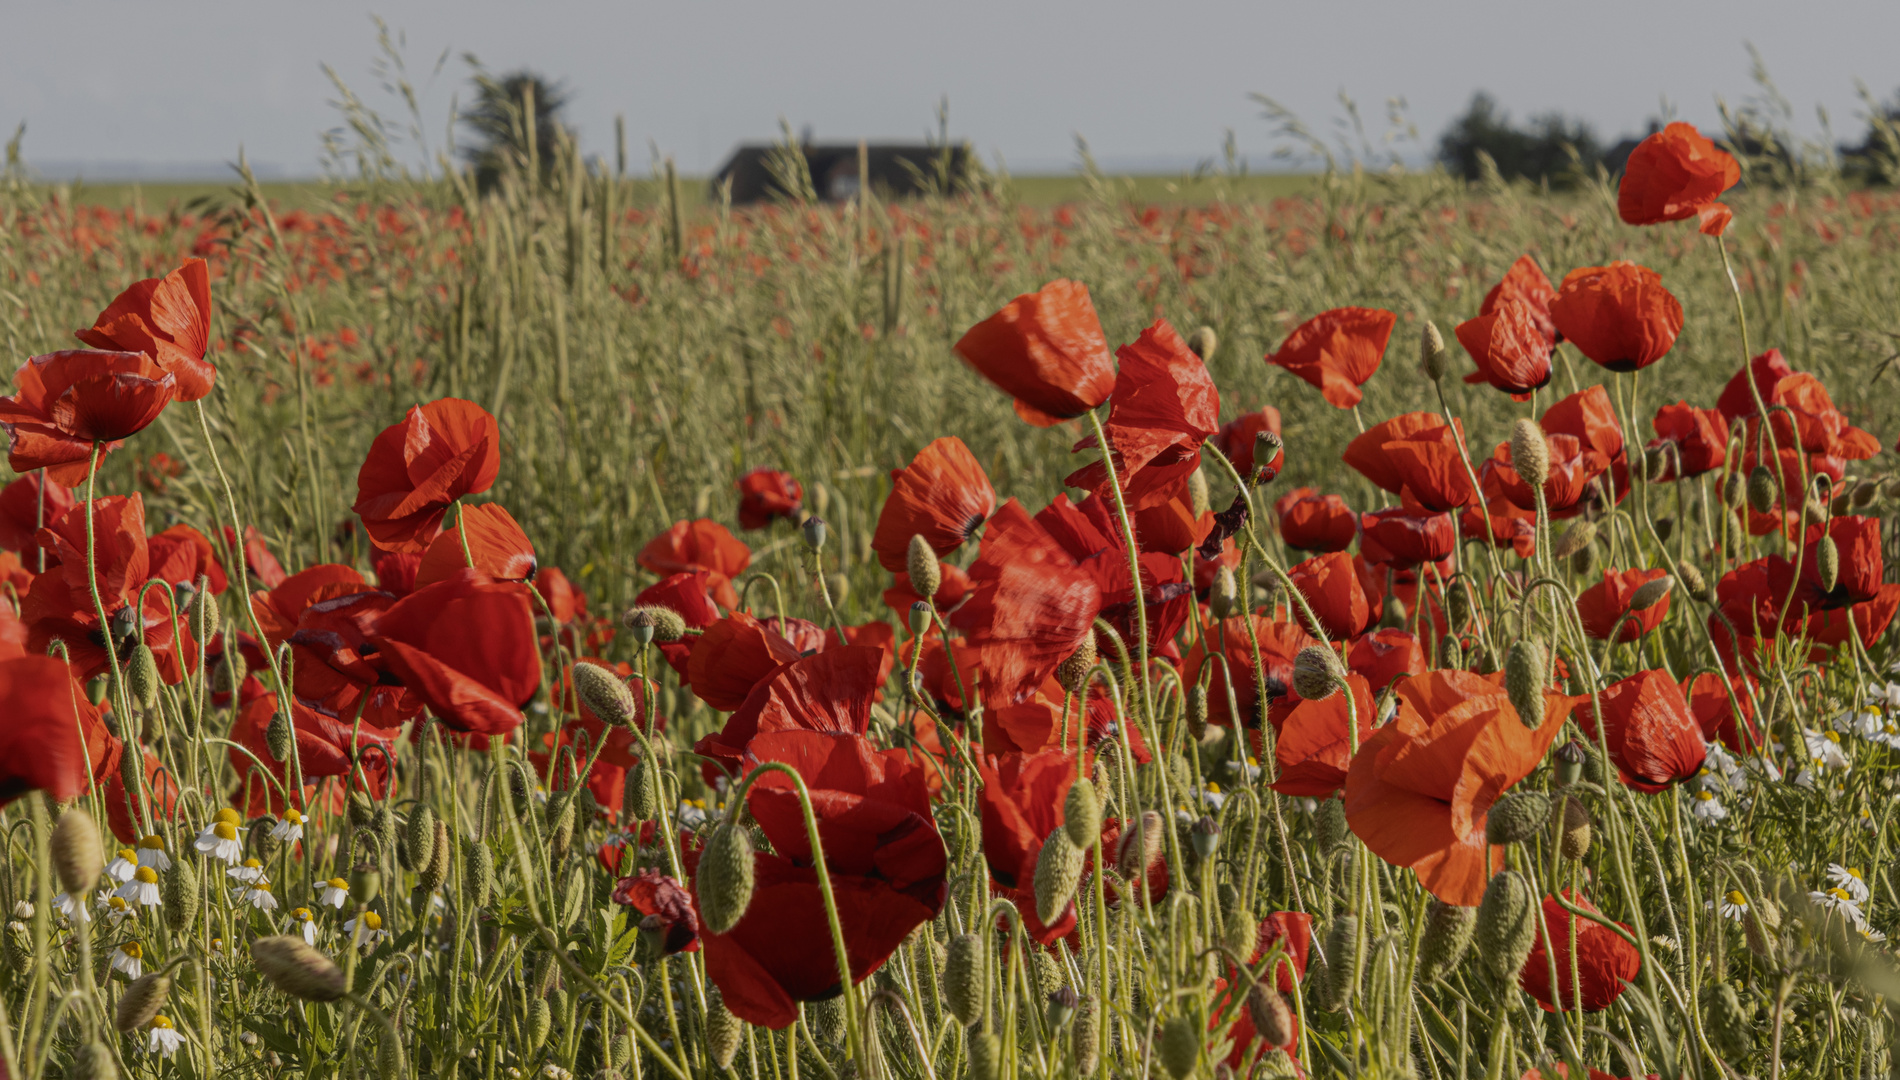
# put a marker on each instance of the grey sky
(186, 81)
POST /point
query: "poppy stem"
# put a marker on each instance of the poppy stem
(1134, 564)
(461, 530)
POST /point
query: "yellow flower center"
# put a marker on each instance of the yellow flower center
(372, 921)
(1735, 897)
(1854, 872)
(1705, 796)
(1833, 736)
(302, 914)
(128, 854)
(1212, 789)
(293, 817)
(337, 883)
(253, 864)
(132, 950)
(1839, 893)
(161, 1021)
(228, 816)
(262, 886)
(152, 843)
(224, 830)
(117, 903)
(146, 875)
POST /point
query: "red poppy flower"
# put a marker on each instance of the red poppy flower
(181, 554)
(53, 740)
(1238, 437)
(1588, 415)
(1293, 931)
(1604, 962)
(1385, 655)
(1672, 175)
(1715, 711)
(1172, 527)
(950, 591)
(13, 632)
(1337, 351)
(1340, 592)
(941, 496)
(1857, 541)
(1653, 736)
(1407, 536)
(1501, 521)
(160, 797)
(64, 403)
(264, 567)
(1021, 805)
(1229, 641)
(1046, 350)
(768, 494)
(495, 541)
(59, 605)
(733, 656)
(831, 691)
(664, 901)
(1420, 788)
(1164, 407)
(1737, 400)
(1510, 346)
(22, 512)
(396, 571)
(887, 863)
(688, 595)
(1090, 535)
(1617, 315)
(327, 746)
(1038, 724)
(1603, 606)
(1310, 521)
(706, 545)
(168, 319)
(327, 613)
(1030, 605)
(1694, 441)
(1314, 747)
(1431, 468)
(1829, 629)
(467, 648)
(1562, 1070)
(1811, 422)
(565, 600)
(437, 454)
(1524, 283)
(1713, 220)
(1370, 452)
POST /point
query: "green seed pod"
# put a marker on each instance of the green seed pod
(1082, 813)
(605, 695)
(1272, 1017)
(1339, 981)
(922, 568)
(418, 839)
(278, 737)
(1451, 654)
(298, 969)
(1517, 817)
(1570, 820)
(1198, 500)
(724, 1031)
(1058, 872)
(1530, 452)
(78, 857)
(1196, 712)
(1524, 668)
(1314, 673)
(142, 1001)
(1505, 927)
(179, 890)
(388, 833)
(540, 1021)
(1084, 1036)
(643, 795)
(1692, 580)
(1330, 827)
(725, 877)
(478, 873)
(965, 978)
(667, 625)
(203, 615)
(986, 1057)
(1762, 491)
(1433, 358)
(1568, 762)
(1827, 560)
(1443, 942)
(431, 876)
(1180, 1046)
(1203, 342)
(1073, 673)
(141, 676)
(1730, 1026)
(1223, 600)
(1060, 1007)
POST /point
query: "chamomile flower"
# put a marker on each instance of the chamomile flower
(123, 865)
(1706, 808)
(692, 814)
(116, 909)
(152, 853)
(306, 922)
(1864, 722)
(290, 829)
(223, 838)
(250, 872)
(1734, 906)
(1212, 797)
(163, 1039)
(129, 959)
(372, 927)
(259, 896)
(1824, 749)
(1867, 822)
(1848, 878)
(335, 892)
(1840, 901)
(70, 907)
(142, 889)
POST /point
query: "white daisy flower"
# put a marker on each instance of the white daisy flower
(1734, 905)
(290, 829)
(152, 854)
(1841, 901)
(1212, 797)
(222, 839)
(1706, 809)
(335, 892)
(23, 909)
(163, 1039)
(123, 865)
(250, 872)
(1824, 749)
(691, 816)
(142, 889)
(307, 922)
(1872, 935)
(1250, 769)
(259, 896)
(1867, 823)
(372, 927)
(116, 908)
(129, 958)
(1722, 765)
(1848, 878)
(71, 908)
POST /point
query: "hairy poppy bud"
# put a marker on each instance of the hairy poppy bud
(1073, 673)
(1180, 1046)
(297, 969)
(1581, 534)
(279, 738)
(1271, 1016)
(1530, 452)
(724, 1031)
(1195, 712)
(725, 880)
(1827, 560)
(478, 872)
(1734, 490)
(1864, 494)
(390, 1063)
(141, 1001)
(560, 822)
(1203, 342)
(141, 676)
(383, 824)
(1584, 562)
(605, 695)
(1330, 828)
(1692, 580)
(93, 1061)
(1517, 817)
(1392, 612)
(203, 616)
(643, 796)
(1058, 872)
(1761, 489)
(1082, 813)
(1761, 924)
(1524, 668)
(1446, 936)
(1655, 463)
(1433, 358)
(1315, 673)
(1730, 1026)
(1651, 592)
(1204, 837)
(418, 839)
(815, 532)
(1458, 602)
(1060, 1007)
(431, 875)
(925, 572)
(362, 810)
(1224, 598)
(1505, 927)
(1570, 820)
(986, 1057)
(1450, 653)
(1665, 528)
(1345, 958)
(179, 891)
(668, 625)
(965, 973)
(1199, 502)
(78, 857)
(1083, 1037)
(1140, 846)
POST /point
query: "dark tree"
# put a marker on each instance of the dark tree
(1876, 158)
(1550, 148)
(516, 124)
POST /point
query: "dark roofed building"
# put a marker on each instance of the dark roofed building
(896, 170)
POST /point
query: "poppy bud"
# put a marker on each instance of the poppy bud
(1199, 502)
(1058, 872)
(1224, 598)
(541, 1021)
(965, 975)
(1180, 1046)
(815, 532)
(643, 798)
(1761, 489)
(389, 1055)
(925, 572)
(1266, 446)
(1651, 593)
(1581, 534)
(1665, 528)
(1760, 924)
(478, 872)
(1458, 602)
(418, 841)
(1730, 1026)
(362, 811)
(1140, 846)
(1061, 1007)
(366, 882)
(384, 826)
(1240, 931)
(1329, 826)
(920, 618)
(1530, 452)
(724, 1031)
(203, 615)
(279, 737)
(1315, 673)
(1570, 820)
(1655, 463)
(78, 858)
(1524, 668)
(1073, 673)
(1204, 837)
(1339, 979)
(141, 1001)
(1693, 582)
(92, 1061)
(431, 876)
(1203, 342)
(1446, 936)
(179, 890)
(1084, 1035)
(1392, 612)
(1584, 562)
(1271, 1017)
(1517, 817)
(1864, 494)
(141, 676)
(668, 625)
(605, 695)
(560, 820)
(1195, 711)
(297, 969)
(1082, 813)
(1827, 560)
(1450, 653)
(986, 1057)
(1433, 358)
(1505, 927)
(724, 884)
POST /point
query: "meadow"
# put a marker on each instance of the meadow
(1325, 798)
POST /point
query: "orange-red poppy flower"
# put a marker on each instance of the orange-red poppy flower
(1339, 590)
(1310, 521)
(1021, 804)
(326, 746)
(466, 646)
(181, 554)
(1337, 351)
(831, 691)
(1693, 441)
(734, 655)
(1716, 712)
(954, 586)
(1030, 605)
(1499, 520)
(1293, 932)
(24, 510)
(1038, 723)
(167, 319)
(1090, 535)
(1524, 283)
(1510, 347)
(1604, 608)
(1406, 536)
(1164, 407)
(1588, 415)
(1420, 788)
(689, 546)
(1431, 468)
(1652, 734)
(1370, 451)
(336, 670)
(65, 403)
(942, 496)
(1315, 743)
(1046, 350)
(689, 595)
(1828, 629)
(662, 902)
(1227, 647)
(53, 739)
(1172, 527)
(1674, 174)
(1385, 655)
(495, 542)
(766, 495)
(59, 605)
(1617, 315)
(1737, 400)
(1604, 963)
(1238, 437)
(437, 454)
(1810, 421)
(264, 567)
(565, 600)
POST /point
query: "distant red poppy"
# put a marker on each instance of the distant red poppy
(1694, 441)
(1340, 592)
(440, 452)
(1617, 315)
(1228, 640)
(1652, 734)
(1407, 536)
(1674, 174)
(65, 403)
(1431, 468)
(1605, 963)
(1163, 408)
(700, 545)
(1337, 351)
(1314, 747)
(662, 899)
(942, 496)
(886, 859)
(1385, 655)
(1603, 606)
(733, 656)
(168, 319)
(53, 740)
(495, 541)
(1030, 605)
(766, 495)
(1588, 415)
(1811, 422)
(565, 600)
(1370, 451)
(160, 796)
(1021, 804)
(1420, 788)
(1524, 283)
(831, 691)
(1238, 437)
(181, 554)
(1737, 400)
(1510, 346)
(1046, 350)
(1501, 521)
(950, 591)
(22, 513)
(1310, 521)
(264, 567)
(1715, 712)
(466, 646)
